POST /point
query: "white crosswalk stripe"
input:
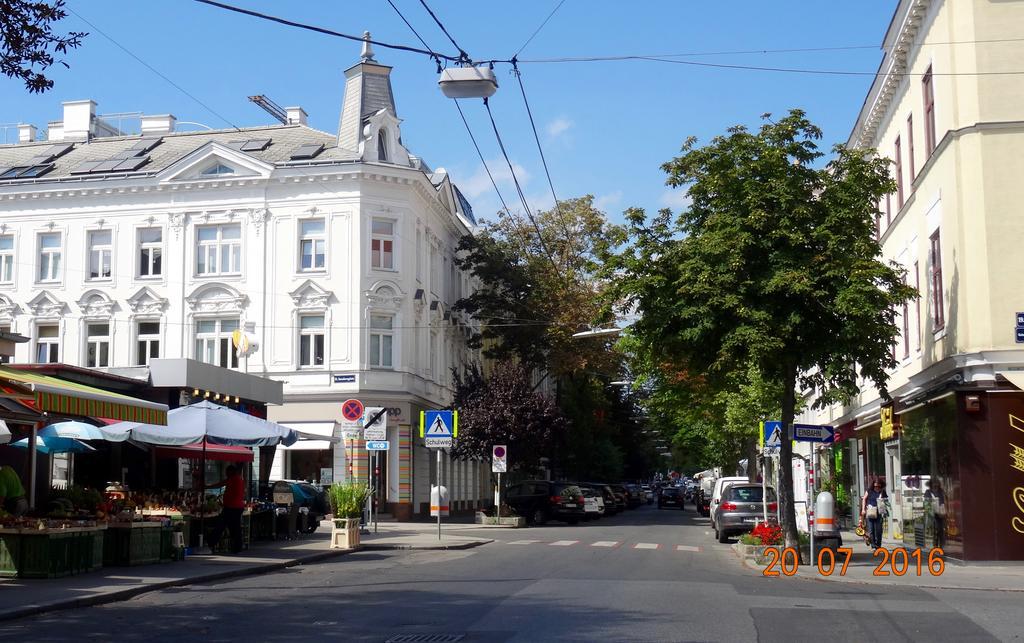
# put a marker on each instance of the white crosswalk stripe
(687, 548)
(646, 546)
(563, 543)
(605, 543)
(523, 542)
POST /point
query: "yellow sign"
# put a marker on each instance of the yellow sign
(890, 422)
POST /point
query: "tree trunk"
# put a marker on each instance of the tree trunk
(785, 490)
(752, 467)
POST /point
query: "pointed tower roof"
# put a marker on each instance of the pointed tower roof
(367, 91)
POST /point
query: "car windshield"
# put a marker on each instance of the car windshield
(749, 494)
(568, 491)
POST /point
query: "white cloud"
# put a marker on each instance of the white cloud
(675, 199)
(558, 127)
(479, 184)
(606, 201)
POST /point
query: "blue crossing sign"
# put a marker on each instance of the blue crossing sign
(437, 428)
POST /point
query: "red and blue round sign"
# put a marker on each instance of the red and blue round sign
(352, 410)
(499, 452)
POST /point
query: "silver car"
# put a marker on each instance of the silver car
(742, 508)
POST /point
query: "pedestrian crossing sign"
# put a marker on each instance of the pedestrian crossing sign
(439, 427)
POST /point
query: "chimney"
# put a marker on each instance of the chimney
(26, 133)
(158, 124)
(79, 120)
(296, 115)
(367, 91)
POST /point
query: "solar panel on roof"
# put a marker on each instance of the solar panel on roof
(85, 168)
(307, 151)
(235, 145)
(132, 164)
(145, 144)
(106, 166)
(60, 149)
(39, 159)
(12, 173)
(255, 145)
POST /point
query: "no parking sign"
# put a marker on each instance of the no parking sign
(499, 458)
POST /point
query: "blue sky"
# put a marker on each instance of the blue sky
(606, 126)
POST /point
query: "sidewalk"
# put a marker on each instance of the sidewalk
(1007, 576)
(26, 597)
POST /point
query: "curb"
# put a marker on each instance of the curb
(400, 547)
(131, 592)
(856, 581)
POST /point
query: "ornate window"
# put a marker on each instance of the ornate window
(382, 341)
(7, 258)
(97, 347)
(311, 340)
(312, 245)
(382, 244)
(50, 253)
(213, 342)
(151, 250)
(101, 250)
(219, 249)
(147, 341)
(47, 344)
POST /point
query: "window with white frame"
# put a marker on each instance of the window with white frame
(311, 340)
(213, 342)
(49, 256)
(47, 344)
(219, 249)
(382, 145)
(312, 244)
(151, 252)
(147, 342)
(382, 341)
(97, 346)
(101, 249)
(7, 258)
(382, 244)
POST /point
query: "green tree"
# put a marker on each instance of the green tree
(28, 42)
(774, 264)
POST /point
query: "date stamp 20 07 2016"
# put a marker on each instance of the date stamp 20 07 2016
(897, 562)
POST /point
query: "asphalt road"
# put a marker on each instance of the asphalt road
(646, 575)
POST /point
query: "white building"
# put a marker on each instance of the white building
(334, 252)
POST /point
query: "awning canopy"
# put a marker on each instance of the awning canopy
(222, 452)
(313, 436)
(71, 398)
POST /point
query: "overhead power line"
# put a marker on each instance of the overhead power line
(537, 30)
(463, 56)
(152, 69)
(327, 32)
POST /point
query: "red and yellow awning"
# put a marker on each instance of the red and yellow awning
(71, 398)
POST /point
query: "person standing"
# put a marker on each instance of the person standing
(872, 508)
(233, 502)
(12, 493)
(935, 498)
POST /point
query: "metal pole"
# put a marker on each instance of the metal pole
(764, 490)
(439, 494)
(32, 465)
(810, 500)
(376, 478)
(499, 497)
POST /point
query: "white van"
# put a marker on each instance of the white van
(716, 495)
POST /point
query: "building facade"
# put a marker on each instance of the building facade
(331, 255)
(952, 121)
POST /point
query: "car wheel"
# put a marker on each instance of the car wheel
(538, 517)
(723, 537)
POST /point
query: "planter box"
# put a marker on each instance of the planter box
(30, 553)
(134, 544)
(505, 521)
(757, 553)
(345, 533)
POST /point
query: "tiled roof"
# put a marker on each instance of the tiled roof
(285, 139)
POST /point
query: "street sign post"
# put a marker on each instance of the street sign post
(499, 465)
(375, 423)
(352, 410)
(437, 428)
(814, 433)
(771, 432)
(377, 445)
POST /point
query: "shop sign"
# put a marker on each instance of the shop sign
(890, 423)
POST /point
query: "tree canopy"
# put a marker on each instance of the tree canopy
(28, 42)
(775, 265)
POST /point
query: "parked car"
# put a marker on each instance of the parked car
(593, 503)
(621, 496)
(707, 485)
(541, 500)
(648, 494)
(634, 497)
(611, 505)
(310, 501)
(742, 508)
(716, 493)
(671, 497)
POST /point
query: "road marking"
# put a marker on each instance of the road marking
(563, 543)
(687, 548)
(523, 542)
(605, 543)
(646, 546)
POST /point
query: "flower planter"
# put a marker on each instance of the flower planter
(345, 533)
(505, 521)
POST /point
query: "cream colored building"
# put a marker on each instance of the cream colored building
(948, 108)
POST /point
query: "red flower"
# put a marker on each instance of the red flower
(768, 533)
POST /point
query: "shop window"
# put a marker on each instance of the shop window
(7, 258)
(47, 344)
(382, 244)
(213, 342)
(381, 341)
(101, 249)
(311, 340)
(151, 250)
(147, 342)
(219, 249)
(97, 347)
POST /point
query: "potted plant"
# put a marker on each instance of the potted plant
(347, 501)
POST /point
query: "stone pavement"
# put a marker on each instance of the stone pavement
(1003, 576)
(25, 597)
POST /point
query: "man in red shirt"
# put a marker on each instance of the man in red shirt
(231, 514)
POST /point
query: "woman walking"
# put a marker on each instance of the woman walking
(872, 507)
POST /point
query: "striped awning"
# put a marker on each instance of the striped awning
(71, 398)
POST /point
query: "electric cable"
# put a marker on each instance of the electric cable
(537, 30)
(437, 59)
(463, 57)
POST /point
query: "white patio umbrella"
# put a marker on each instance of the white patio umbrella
(205, 420)
(81, 431)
